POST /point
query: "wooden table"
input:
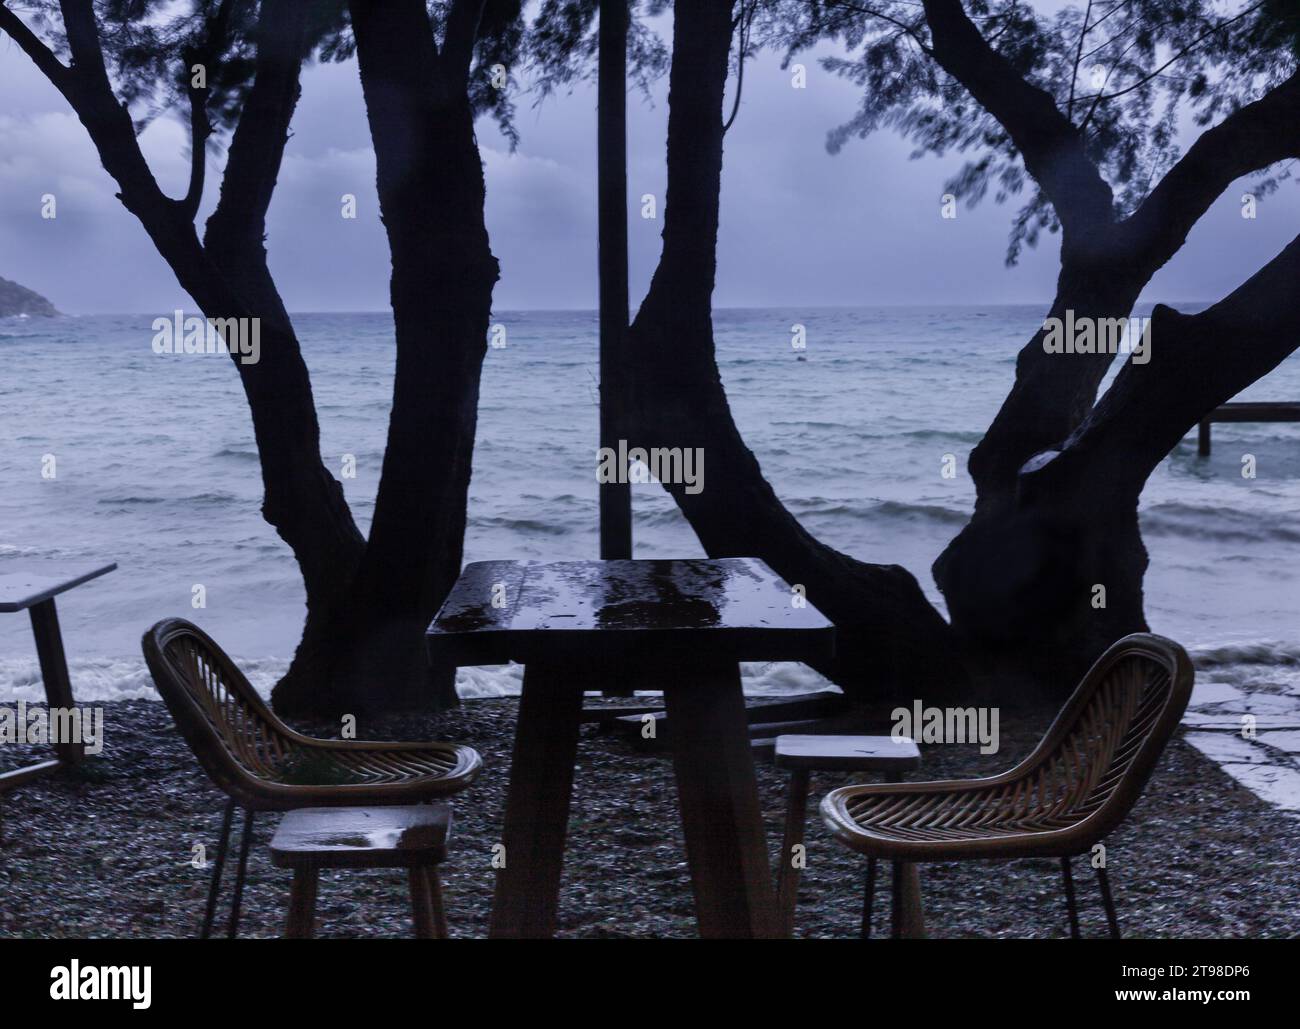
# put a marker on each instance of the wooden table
(678, 626)
(33, 589)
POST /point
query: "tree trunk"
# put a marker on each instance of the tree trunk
(1074, 519)
(1009, 583)
(431, 195)
(890, 638)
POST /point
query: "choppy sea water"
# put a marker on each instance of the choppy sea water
(156, 469)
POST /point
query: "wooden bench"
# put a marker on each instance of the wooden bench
(414, 838)
(1244, 411)
(33, 589)
(883, 755)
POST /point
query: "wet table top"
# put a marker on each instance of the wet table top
(728, 608)
(29, 585)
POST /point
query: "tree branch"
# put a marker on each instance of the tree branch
(743, 24)
(1078, 56)
(1097, 98)
(257, 147)
(200, 124)
(458, 40)
(90, 93)
(1051, 147)
(1248, 140)
(1196, 363)
(41, 55)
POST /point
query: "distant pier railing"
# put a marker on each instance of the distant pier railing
(1250, 411)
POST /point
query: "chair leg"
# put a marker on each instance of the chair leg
(908, 910)
(214, 886)
(1068, 879)
(232, 927)
(1108, 902)
(302, 905)
(867, 894)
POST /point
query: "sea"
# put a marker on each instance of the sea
(113, 452)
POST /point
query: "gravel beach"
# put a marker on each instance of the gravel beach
(107, 850)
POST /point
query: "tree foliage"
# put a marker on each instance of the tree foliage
(151, 47)
(1129, 74)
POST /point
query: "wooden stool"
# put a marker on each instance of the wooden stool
(414, 838)
(805, 754)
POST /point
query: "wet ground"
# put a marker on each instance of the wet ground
(110, 850)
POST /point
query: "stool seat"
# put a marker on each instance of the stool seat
(804, 754)
(847, 753)
(414, 836)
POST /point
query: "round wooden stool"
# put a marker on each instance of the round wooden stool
(885, 755)
(414, 838)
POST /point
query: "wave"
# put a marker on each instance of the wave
(821, 507)
(1252, 652)
(45, 553)
(1214, 522)
(104, 680)
(934, 512)
(197, 500)
(242, 455)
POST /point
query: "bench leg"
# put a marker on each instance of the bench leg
(796, 813)
(435, 899)
(302, 905)
(527, 899)
(54, 669)
(422, 904)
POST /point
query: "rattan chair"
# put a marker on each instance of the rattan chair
(1079, 783)
(263, 765)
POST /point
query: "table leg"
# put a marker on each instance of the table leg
(718, 796)
(787, 881)
(54, 669)
(537, 803)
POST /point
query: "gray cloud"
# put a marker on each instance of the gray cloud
(799, 226)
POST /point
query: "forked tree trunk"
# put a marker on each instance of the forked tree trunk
(431, 194)
(1081, 504)
(1012, 583)
(890, 638)
(1014, 576)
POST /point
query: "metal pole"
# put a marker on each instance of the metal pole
(611, 131)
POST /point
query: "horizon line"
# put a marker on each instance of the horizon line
(1177, 304)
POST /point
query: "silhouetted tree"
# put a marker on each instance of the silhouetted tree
(119, 63)
(889, 633)
(1080, 110)
(1103, 167)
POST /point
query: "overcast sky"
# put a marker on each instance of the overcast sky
(799, 226)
